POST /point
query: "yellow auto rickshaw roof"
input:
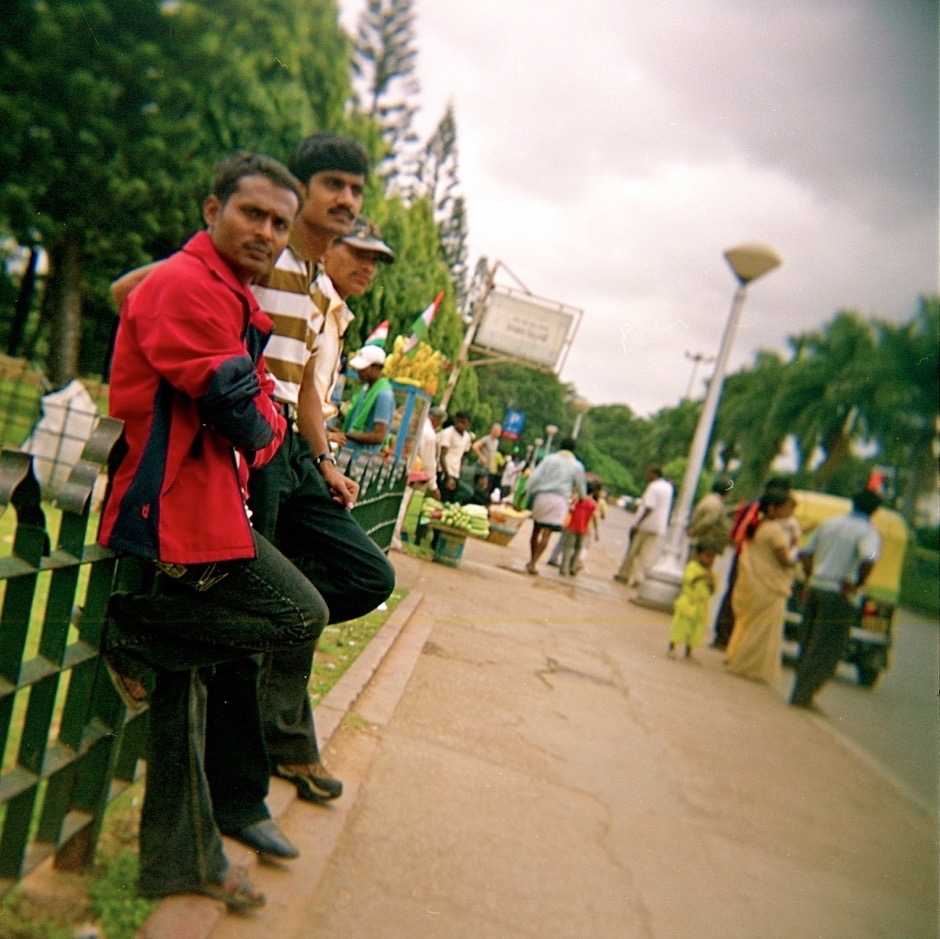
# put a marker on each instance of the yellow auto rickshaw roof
(885, 578)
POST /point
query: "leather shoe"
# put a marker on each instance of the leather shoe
(265, 838)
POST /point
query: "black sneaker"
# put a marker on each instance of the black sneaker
(312, 781)
(326, 780)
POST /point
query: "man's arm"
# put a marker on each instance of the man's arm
(121, 287)
(580, 483)
(369, 437)
(865, 568)
(450, 483)
(195, 344)
(312, 428)
(807, 561)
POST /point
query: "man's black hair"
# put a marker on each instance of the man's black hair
(772, 496)
(325, 151)
(231, 169)
(567, 443)
(866, 502)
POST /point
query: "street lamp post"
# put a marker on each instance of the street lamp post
(660, 587)
(550, 431)
(580, 406)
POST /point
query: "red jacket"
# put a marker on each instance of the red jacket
(188, 380)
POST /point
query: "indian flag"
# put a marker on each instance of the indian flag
(378, 335)
(421, 326)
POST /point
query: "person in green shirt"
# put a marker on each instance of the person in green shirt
(370, 413)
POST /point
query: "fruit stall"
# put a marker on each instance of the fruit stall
(450, 524)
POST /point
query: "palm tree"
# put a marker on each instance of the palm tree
(829, 389)
(751, 423)
(903, 409)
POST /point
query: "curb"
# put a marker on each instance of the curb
(190, 916)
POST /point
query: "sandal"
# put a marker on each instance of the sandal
(131, 691)
(236, 891)
(126, 671)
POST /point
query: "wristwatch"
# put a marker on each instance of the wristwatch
(317, 460)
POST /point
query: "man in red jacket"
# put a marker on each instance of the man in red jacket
(188, 379)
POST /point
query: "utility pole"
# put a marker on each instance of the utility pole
(697, 359)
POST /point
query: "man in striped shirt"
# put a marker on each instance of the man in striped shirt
(301, 499)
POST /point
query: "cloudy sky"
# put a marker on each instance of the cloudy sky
(611, 150)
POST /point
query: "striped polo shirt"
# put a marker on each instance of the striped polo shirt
(290, 296)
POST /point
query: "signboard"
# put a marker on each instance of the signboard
(526, 327)
(513, 423)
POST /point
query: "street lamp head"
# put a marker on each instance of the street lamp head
(551, 430)
(750, 261)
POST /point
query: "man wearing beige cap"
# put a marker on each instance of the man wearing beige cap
(351, 264)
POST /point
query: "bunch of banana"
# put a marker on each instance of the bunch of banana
(420, 367)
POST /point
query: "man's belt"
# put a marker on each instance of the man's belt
(288, 410)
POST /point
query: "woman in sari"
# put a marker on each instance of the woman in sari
(764, 581)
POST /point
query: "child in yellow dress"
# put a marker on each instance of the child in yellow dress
(690, 613)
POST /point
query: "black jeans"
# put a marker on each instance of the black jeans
(292, 505)
(827, 620)
(191, 637)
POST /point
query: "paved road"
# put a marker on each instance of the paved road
(897, 723)
(539, 768)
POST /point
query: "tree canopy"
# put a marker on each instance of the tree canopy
(108, 149)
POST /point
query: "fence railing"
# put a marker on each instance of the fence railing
(68, 746)
(52, 424)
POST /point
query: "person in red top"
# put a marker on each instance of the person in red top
(583, 516)
(189, 382)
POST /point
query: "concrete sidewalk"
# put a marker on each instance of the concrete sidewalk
(526, 762)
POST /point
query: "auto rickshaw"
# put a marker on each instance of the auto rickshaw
(871, 636)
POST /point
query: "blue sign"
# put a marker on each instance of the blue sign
(513, 423)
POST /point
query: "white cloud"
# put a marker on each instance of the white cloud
(610, 151)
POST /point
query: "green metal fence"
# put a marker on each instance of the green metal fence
(68, 745)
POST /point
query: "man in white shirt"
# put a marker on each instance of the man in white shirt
(454, 443)
(649, 528)
(428, 445)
